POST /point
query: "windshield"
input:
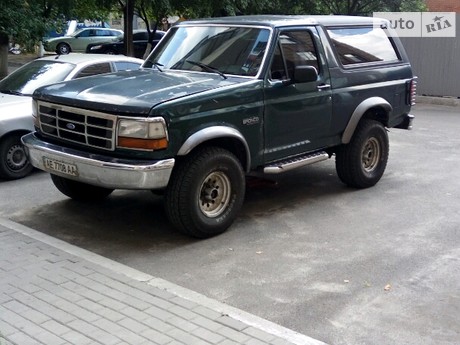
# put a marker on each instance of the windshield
(230, 50)
(28, 78)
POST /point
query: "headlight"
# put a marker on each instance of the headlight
(95, 47)
(149, 134)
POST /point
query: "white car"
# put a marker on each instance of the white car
(16, 98)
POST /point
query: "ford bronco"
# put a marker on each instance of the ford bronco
(220, 98)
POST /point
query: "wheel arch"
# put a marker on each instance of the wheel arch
(221, 136)
(376, 108)
(12, 133)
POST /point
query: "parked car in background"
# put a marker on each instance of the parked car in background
(16, 101)
(140, 40)
(79, 40)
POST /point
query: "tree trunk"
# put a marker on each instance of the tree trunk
(4, 41)
(128, 27)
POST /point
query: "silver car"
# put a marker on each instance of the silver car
(16, 101)
(79, 40)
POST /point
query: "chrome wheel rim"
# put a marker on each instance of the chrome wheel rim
(370, 156)
(214, 194)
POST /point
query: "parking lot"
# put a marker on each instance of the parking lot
(345, 266)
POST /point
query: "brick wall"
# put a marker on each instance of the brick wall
(443, 5)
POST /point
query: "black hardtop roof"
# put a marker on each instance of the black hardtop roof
(286, 20)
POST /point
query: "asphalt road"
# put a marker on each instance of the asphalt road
(374, 266)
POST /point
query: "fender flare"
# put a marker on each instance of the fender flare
(215, 132)
(360, 111)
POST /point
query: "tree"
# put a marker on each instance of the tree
(366, 7)
(21, 21)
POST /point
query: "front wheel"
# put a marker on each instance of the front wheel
(63, 49)
(13, 160)
(206, 192)
(362, 162)
(78, 190)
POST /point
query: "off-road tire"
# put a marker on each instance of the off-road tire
(14, 163)
(362, 162)
(206, 192)
(80, 191)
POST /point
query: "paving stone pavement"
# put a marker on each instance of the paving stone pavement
(52, 292)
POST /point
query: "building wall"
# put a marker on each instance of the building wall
(436, 63)
(443, 5)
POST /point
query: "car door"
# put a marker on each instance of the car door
(297, 115)
(82, 40)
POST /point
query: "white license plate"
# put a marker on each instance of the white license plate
(61, 167)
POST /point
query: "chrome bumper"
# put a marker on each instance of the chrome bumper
(100, 170)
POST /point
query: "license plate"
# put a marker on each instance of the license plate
(61, 167)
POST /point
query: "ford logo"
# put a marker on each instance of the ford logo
(70, 126)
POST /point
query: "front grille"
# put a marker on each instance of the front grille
(76, 125)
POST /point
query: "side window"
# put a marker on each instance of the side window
(358, 45)
(94, 69)
(123, 65)
(84, 33)
(295, 48)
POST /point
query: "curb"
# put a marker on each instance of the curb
(447, 101)
(240, 315)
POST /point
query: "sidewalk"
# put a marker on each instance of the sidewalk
(52, 292)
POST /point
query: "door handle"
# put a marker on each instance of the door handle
(323, 87)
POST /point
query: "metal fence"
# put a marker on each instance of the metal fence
(436, 62)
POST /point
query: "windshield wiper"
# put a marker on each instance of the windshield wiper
(158, 65)
(207, 68)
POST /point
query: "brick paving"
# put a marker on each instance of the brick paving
(52, 292)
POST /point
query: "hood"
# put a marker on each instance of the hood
(131, 91)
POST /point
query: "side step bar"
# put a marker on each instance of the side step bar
(289, 164)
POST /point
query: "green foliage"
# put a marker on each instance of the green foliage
(23, 22)
(366, 7)
(26, 21)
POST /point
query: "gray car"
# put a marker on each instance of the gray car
(16, 101)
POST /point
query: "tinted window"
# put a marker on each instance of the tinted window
(84, 33)
(94, 69)
(295, 48)
(140, 36)
(362, 45)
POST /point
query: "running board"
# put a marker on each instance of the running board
(289, 164)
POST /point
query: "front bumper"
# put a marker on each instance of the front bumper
(99, 170)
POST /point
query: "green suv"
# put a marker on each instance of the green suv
(220, 98)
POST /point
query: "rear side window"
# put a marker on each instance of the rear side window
(94, 69)
(125, 65)
(361, 45)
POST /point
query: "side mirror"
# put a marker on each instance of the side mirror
(305, 74)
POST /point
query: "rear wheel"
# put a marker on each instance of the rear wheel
(13, 160)
(362, 162)
(78, 190)
(63, 49)
(206, 192)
